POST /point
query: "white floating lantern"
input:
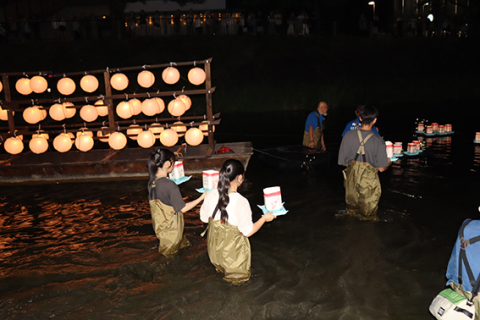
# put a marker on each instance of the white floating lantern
(84, 141)
(170, 75)
(70, 112)
(102, 137)
(117, 141)
(89, 83)
(133, 131)
(119, 81)
(169, 138)
(136, 106)
(1, 86)
(194, 136)
(57, 112)
(38, 84)
(124, 110)
(38, 144)
(204, 128)
(150, 107)
(88, 113)
(23, 86)
(156, 129)
(62, 143)
(146, 79)
(13, 145)
(32, 115)
(102, 109)
(146, 139)
(176, 107)
(161, 105)
(196, 76)
(186, 100)
(66, 86)
(41, 133)
(4, 114)
(179, 128)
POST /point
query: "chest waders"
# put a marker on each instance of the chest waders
(362, 185)
(317, 134)
(168, 226)
(229, 250)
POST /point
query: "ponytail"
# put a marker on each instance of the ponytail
(157, 159)
(230, 170)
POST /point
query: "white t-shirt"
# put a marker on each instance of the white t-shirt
(238, 209)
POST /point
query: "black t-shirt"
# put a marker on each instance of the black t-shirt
(167, 192)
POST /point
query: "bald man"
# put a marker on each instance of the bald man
(313, 135)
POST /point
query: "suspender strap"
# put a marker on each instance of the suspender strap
(154, 183)
(318, 119)
(462, 257)
(361, 149)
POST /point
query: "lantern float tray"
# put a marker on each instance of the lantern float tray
(413, 153)
(201, 190)
(181, 180)
(398, 155)
(474, 141)
(279, 212)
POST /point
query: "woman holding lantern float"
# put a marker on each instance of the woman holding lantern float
(166, 203)
(229, 219)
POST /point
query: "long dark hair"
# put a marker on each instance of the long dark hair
(157, 159)
(230, 170)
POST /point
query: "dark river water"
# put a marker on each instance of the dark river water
(88, 250)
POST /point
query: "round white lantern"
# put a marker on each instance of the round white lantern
(204, 128)
(38, 84)
(89, 83)
(66, 86)
(88, 113)
(150, 107)
(168, 138)
(84, 131)
(194, 136)
(146, 139)
(13, 145)
(124, 110)
(19, 136)
(103, 138)
(4, 114)
(84, 142)
(176, 107)
(102, 109)
(117, 141)
(161, 105)
(170, 75)
(57, 112)
(1, 86)
(135, 106)
(43, 112)
(41, 133)
(70, 112)
(119, 81)
(38, 144)
(23, 86)
(146, 79)
(71, 135)
(179, 128)
(156, 129)
(186, 100)
(32, 115)
(62, 143)
(133, 131)
(196, 76)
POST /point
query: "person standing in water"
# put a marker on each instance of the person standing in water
(166, 203)
(355, 124)
(229, 219)
(313, 134)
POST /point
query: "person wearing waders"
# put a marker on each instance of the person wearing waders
(313, 134)
(364, 153)
(229, 219)
(166, 203)
(355, 124)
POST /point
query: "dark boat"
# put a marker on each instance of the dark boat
(294, 157)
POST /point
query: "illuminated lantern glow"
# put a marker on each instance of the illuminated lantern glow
(4, 114)
(19, 136)
(133, 131)
(156, 129)
(43, 112)
(71, 135)
(23, 86)
(88, 113)
(117, 141)
(179, 128)
(62, 143)
(84, 141)
(32, 115)
(38, 144)
(102, 109)
(13, 145)
(176, 107)
(1, 86)
(41, 133)
(204, 128)
(146, 79)
(38, 84)
(150, 107)
(161, 105)
(70, 112)
(186, 100)
(169, 138)
(58, 112)
(146, 139)
(124, 110)
(194, 136)
(66, 86)
(196, 76)
(119, 81)
(170, 75)
(103, 138)
(135, 106)
(89, 83)
(84, 131)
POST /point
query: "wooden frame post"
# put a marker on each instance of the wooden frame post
(208, 87)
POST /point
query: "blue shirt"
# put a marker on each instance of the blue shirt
(312, 120)
(352, 125)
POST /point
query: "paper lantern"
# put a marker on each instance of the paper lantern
(119, 81)
(156, 129)
(204, 128)
(84, 131)
(146, 139)
(133, 131)
(194, 136)
(71, 135)
(1, 86)
(62, 143)
(43, 112)
(38, 84)
(41, 133)
(186, 100)
(117, 141)
(124, 110)
(13, 145)
(70, 112)
(161, 105)
(89, 83)
(196, 76)
(179, 128)
(23, 86)
(66, 86)
(57, 112)
(176, 107)
(102, 109)
(146, 79)
(32, 115)
(135, 106)
(103, 138)
(4, 114)
(170, 75)
(168, 138)
(88, 113)
(38, 144)
(150, 107)
(84, 141)
(19, 136)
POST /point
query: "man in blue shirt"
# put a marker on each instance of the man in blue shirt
(356, 124)
(313, 134)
